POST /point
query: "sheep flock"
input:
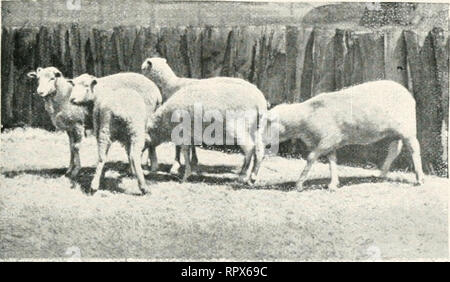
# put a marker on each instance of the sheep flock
(142, 111)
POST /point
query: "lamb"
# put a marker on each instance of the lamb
(361, 114)
(123, 103)
(168, 82)
(55, 90)
(219, 101)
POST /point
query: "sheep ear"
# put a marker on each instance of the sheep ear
(93, 83)
(38, 69)
(32, 74)
(71, 82)
(58, 74)
(147, 64)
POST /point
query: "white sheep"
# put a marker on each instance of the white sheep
(123, 103)
(55, 90)
(168, 82)
(361, 114)
(219, 100)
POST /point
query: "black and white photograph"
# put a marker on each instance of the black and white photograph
(240, 131)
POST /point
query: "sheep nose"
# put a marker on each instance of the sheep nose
(40, 93)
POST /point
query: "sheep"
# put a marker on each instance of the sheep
(226, 103)
(360, 114)
(55, 91)
(168, 82)
(123, 103)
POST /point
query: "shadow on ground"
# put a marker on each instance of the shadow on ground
(319, 183)
(121, 170)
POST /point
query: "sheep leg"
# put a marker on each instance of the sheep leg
(135, 160)
(413, 145)
(333, 171)
(194, 160)
(77, 137)
(258, 157)
(177, 162)
(186, 150)
(394, 150)
(248, 150)
(311, 159)
(103, 148)
(144, 157)
(153, 158)
(71, 165)
(131, 170)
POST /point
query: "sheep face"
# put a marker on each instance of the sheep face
(46, 80)
(155, 68)
(83, 89)
(272, 128)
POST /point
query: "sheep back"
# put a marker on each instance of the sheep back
(361, 114)
(129, 99)
(133, 81)
(211, 96)
(121, 114)
(183, 82)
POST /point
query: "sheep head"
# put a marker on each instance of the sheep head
(47, 78)
(83, 89)
(157, 69)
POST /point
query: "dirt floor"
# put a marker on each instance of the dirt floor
(45, 215)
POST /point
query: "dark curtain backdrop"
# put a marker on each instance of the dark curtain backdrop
(288, 63)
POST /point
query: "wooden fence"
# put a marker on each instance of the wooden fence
(288, 63)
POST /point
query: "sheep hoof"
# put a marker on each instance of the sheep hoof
(243, 178)
(69, 173)
(332, 187)
(73, 184)
(420, 182)
(195, 168)
(252, 180)
(130, 172)
(174, 169)
(154, 168)
(93, 189)
(145, 190)
(299, 187)
(74, 173)
(383, 174)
